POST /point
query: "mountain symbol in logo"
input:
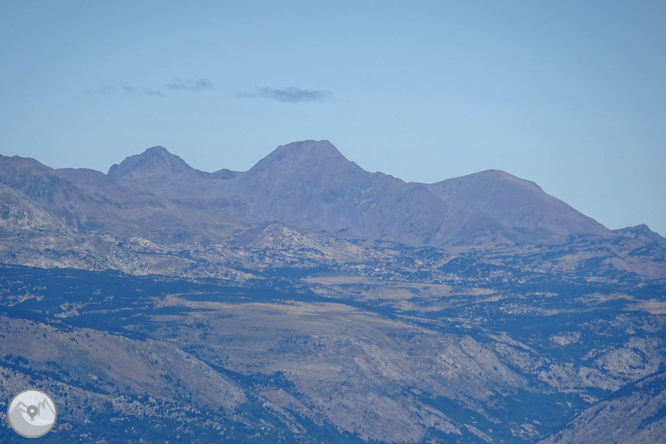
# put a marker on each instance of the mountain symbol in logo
(32, 413)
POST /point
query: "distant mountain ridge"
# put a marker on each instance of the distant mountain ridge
(311, 185)
(308, 186)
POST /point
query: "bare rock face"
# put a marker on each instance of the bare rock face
(21, 216)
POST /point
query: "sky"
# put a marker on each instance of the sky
(568, 94)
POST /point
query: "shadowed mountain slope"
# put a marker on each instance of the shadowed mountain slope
(635, 414)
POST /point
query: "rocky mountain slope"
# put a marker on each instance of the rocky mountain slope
(330, 357)
(309, 301)
(635, 414)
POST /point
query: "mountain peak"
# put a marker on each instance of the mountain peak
(641, 232)
(153, 161)
(307, 157)
(309, 150)
(157, 151)
(494, 176)
(518, 204)
(321, 145)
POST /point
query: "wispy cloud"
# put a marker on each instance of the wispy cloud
(128, 89)
(150, 92)
(290, 94)
(177, 84)
(105, 89)
(191, 85)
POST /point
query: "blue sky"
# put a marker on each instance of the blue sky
(569, 94)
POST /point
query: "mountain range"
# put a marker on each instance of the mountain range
(308, 185)
(308, 300)
(95, 220)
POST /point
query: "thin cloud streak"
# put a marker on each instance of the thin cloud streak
(202, 84)
(290, 94)
(150, 92)
(105, 89)
(177, 84)
(109, 90)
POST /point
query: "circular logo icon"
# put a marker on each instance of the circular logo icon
(32, 413)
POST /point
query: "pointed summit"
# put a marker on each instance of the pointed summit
(154, 161)
(309, 156)
(305, 167)
(311, 149)
(156, 171)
